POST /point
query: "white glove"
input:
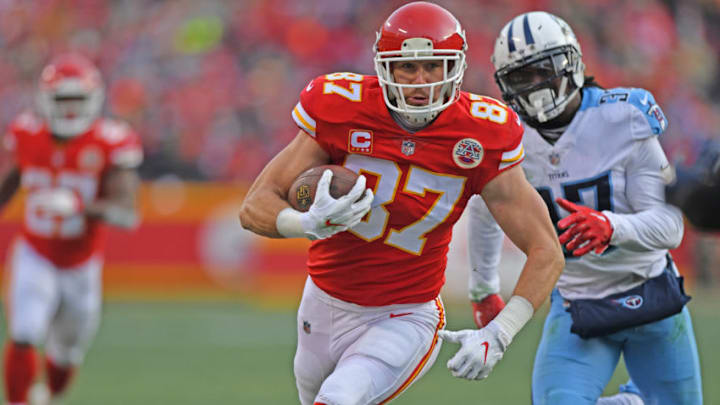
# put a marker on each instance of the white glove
(56, 202)
(479, 350)
(327, 215)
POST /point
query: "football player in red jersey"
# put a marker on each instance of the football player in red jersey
(370, 318)
(78, 171)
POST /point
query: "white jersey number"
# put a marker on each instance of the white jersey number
(419, 181)
(40, 223)
(597, 189)
(483, 109)
(353, 93)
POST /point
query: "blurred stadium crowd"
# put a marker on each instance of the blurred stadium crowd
(210, 85)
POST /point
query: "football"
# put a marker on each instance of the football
(302, 192)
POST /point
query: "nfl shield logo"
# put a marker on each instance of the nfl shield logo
(408, 147)
(306, 327)
(555, 158)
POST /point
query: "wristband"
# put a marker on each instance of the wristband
(515, 315)
(289, 223)
(119, 216)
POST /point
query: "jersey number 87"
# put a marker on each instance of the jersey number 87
(411, 238)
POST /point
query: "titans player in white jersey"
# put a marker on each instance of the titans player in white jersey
(594, 156)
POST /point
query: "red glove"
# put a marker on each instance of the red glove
(487, 309)
(587, 229)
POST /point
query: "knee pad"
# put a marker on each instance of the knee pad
(65, 355)
(69, 349)
(350, 385)
(29, 332)
(310, 371)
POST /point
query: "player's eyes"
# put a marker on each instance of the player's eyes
(430, 66)
(527, 76)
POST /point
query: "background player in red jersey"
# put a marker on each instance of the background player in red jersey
(370, 317)
(78, 170)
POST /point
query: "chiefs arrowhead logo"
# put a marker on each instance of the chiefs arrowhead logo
(468, 153)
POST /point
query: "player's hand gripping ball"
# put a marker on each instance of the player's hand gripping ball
(302, 192)
(56, 202)
(326, 209)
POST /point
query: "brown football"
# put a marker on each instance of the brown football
(302, 192)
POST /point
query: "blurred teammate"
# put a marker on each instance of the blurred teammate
(78, 170)
(696, 190)
(593, 155)
(370, 316)
(701, 206)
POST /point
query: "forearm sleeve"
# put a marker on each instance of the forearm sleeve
(653, 224)
(484, 247)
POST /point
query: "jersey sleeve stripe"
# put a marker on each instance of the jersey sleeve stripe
(512, 157)
(504, 166)
(303, 120)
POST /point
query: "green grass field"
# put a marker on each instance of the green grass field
(232, 353)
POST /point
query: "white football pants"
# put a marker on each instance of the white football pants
(350, 354)
(59, 308)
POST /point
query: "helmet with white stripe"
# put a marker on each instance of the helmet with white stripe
(538, 65)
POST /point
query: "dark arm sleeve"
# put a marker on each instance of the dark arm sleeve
(702, 207)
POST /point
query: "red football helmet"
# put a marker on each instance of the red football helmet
(415, 32)
(70, 95)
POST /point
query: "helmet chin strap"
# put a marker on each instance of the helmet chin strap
(539, 99)
(408, 124)
(418, 119)
(413, 115)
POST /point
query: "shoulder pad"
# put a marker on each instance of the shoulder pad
(487, 108)
(496, 126)
(501, 117)
(640, 99)
(486, 99)
(644, 101)
(113, 132)
(125, 149)
(331, 98)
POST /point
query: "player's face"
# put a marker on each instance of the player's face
(528, 76)
(542, 71)
(70, 107)
(418, 72)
